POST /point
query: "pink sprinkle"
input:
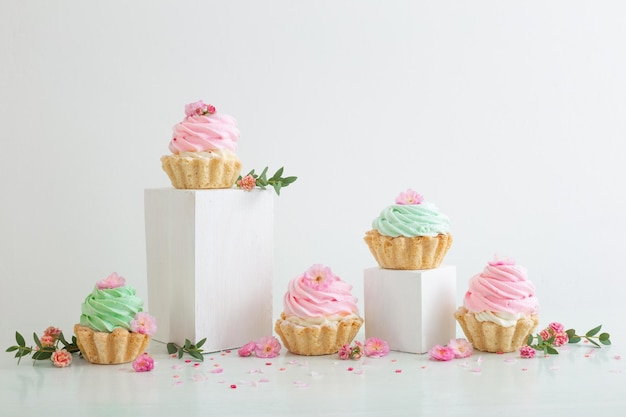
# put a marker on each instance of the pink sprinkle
(282, 369)
(264, 380)
(617, 357)
(350, 369)
(196, 365)
(173, 355)
(176, 376)
(500, 353)
(394, 360)
(217, 371)
(223, 354)
(524, 369)
(268, 363)
(398, 371)
(212, 359)
(227, 351)
(233, 386)
(423, 366)
(216, 365)
(188, 361)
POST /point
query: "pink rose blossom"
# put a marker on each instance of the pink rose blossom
(556, 327)
(144, 363)
(267, 347)
(560, 339)
(143, 323)
(61, 358)
(375, 347)
(344, 352)
(247, 349)
(409, 197)
(319, 277)
(47, 340)
(527, 352)
(247, 183)
(199, 108)
(441, 353)
(110, 282)
(461, 348)
(52, 331)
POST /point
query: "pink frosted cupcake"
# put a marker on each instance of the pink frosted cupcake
(320, 313)
(203, 150)
(500, 309)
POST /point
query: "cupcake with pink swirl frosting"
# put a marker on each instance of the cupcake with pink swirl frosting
(203, 150)
(320, 314)
(499, 309)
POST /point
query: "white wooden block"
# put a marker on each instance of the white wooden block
(210, 265)
(411, 310)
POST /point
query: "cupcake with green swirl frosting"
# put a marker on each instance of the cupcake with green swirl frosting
(411, 234)
(113, 328)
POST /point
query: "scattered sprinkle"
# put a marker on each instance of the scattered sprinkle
(196, 365)
(264, 380)
(227, 351)
(216, 365)
(423, 366)
(524, 369)
(217, 371)
(500, 353)
(398, 371)
(394, 360)
(176, 376)
(617, 357)
(233, 386)
(282, 369)
(187, 360)
(268, 363)
(350, 369)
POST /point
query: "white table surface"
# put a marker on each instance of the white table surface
(579, 381)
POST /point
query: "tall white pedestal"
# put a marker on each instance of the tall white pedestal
(210, 264)
(411, 310)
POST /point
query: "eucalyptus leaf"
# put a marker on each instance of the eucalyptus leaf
(200, 343)
(574, 339)
(171, 348)
(605, 342)
(37, 341)
(604, 336)
(42, 354)
(12, 348)
(180, 353)
(197, 355)
(187, 343)
(593, 331)
(20, 339)
(552, 350)
(570, 333)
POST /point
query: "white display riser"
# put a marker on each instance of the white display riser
(210, 265)
(412, 310)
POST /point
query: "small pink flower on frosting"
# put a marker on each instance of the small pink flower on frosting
(375, 347)
(247, 349)
(527, 352)
(267, 347)
(441, 353)
(144, 363)
(319, 277)
(409, 197)
(47, 340)
(247, 183)
(199, 108)
(52, 331)
(61, 358)
(461, 348)
(110, 282)
(501, 260)
(143, 323)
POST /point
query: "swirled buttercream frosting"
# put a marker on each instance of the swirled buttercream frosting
(501, 288)
(318, 296)
(411, 220)
(105, 309)
(204, 130)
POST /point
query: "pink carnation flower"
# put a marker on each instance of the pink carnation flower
(376, 347)
(247, 349)
(47, 340)
(344, 352)
(247, 183)
(110, 282)
(52, 331)
(267, 347)
(560, 339)
(61, 358)
(441, 353)
(545, 334)
(319, 277)
(144, 363)
(143, 323)
(461, 348)
(409, 197)
(556, 327)
(527, 352)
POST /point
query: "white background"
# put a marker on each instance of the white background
(509, 116)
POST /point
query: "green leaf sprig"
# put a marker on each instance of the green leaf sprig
(40, 352)
(603, 338)
(194, 350)
(276, 181)
(547, 345)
